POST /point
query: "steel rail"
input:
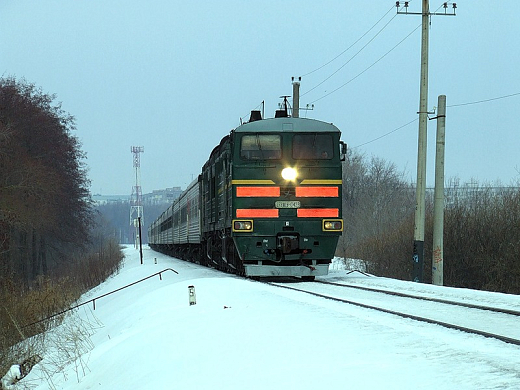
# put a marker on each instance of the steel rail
(505, 339)
(438, 300)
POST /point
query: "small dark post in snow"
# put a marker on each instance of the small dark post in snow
(191, 295)
(140, 240)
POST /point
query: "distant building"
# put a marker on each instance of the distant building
(166, 196)
(156, 197)
(107, 199)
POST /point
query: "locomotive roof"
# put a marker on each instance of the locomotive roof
(287, 124)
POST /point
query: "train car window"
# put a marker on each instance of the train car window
(313, 147)
(261, 147)
(167, 224)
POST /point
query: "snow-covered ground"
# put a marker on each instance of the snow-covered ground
(243, 334)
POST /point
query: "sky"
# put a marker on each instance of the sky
(242, 334)
(176, 76)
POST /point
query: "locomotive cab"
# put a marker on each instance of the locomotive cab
(286, 196)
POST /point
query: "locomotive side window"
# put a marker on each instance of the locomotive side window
(261, 147)
(313, 147)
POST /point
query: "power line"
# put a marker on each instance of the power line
(348, 48)
(453, 105)
(374, 63)
(354, 56)
(386, 134)
(485, 100)
(359, 74)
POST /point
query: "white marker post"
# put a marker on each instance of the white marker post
(191, 295)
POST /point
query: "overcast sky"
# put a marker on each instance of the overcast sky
(176, 76)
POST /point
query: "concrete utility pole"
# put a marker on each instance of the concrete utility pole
(420, 196)
(438, 206)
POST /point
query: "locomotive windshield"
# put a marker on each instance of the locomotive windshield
(312, 147)
(261, 147)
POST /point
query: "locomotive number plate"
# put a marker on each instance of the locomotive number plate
(287, 204)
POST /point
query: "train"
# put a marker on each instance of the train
(267, 203)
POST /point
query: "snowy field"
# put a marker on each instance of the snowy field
(243, 334)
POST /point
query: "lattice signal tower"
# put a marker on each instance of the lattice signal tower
(136, 200)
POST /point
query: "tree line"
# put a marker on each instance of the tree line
(117, 216)
(53, 246)
(481, 227)
(44, 197)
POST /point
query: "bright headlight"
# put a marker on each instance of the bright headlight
(289, 173)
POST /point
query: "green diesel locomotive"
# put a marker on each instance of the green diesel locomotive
(267, 202)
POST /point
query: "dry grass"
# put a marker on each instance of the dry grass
(29, 326)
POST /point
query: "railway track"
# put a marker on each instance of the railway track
(430, 299)
(486, 321)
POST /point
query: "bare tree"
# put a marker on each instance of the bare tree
(376, 202)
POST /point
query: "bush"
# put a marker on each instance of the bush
(481, 234)
(482, 239)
